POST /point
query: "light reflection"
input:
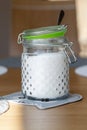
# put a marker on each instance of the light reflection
(12, 119)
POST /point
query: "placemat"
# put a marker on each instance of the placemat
(3, 70)
(18, 98)
(4, 106)
(82, 70)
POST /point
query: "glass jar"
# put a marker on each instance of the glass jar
(45, 62)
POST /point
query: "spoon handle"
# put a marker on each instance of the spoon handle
(61, 15)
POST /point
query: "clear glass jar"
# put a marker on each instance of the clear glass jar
(45, 62)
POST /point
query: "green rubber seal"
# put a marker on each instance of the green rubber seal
(45, 36)
(57, 31)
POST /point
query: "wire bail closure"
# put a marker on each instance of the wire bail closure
(19, 40)
(68, 51)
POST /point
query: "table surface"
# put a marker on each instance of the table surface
(67, 117)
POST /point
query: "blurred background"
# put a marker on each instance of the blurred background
(19, 15)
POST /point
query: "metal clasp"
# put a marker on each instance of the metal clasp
(69, 52)
(20, 40)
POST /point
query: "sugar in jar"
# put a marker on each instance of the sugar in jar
(45, 62)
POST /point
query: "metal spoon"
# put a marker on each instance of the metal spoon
(61, 15)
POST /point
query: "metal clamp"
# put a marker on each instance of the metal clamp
(68, 51)
(19, 40)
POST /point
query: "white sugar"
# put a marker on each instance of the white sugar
(45, 75)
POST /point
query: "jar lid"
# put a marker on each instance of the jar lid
(45, 32)
(42, 33)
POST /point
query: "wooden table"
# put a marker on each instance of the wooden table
(68, 117)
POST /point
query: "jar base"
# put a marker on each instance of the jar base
(46, 99)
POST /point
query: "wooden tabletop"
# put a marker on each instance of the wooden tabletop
(67, 117)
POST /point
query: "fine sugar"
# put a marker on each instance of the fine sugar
(45, 75)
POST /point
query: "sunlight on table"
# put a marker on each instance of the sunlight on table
(12, 118)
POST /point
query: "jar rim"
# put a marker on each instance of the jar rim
(45, 32)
